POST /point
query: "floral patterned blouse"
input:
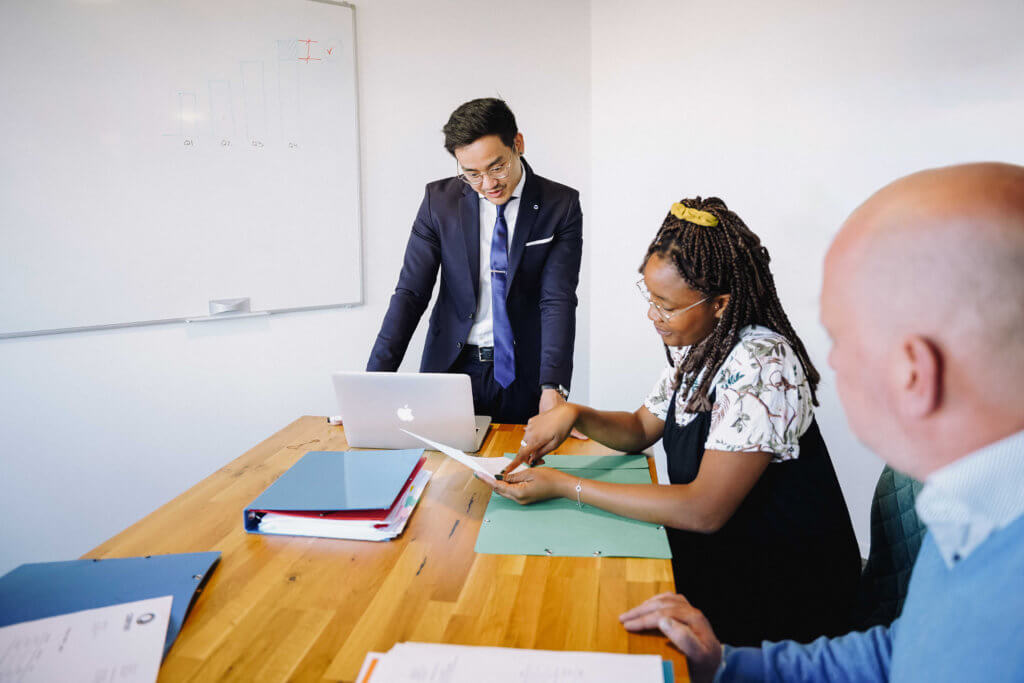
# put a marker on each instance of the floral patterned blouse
(762, 398)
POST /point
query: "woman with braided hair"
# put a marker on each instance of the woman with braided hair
(761, 538)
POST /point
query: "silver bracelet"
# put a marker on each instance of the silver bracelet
(579, 490)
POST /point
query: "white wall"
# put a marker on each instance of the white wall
(793, 112)
(97, 429)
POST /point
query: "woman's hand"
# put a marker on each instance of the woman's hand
(533, 485)
(544, 433)
(685, 625)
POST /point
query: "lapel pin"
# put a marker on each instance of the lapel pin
(535, 207)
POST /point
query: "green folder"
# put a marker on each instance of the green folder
(559, 528)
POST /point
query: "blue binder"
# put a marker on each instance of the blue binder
(336, 481)
(49, 589)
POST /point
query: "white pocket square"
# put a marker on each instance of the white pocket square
(543, 241)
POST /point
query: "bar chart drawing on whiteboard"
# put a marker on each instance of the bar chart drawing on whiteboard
(203, 168)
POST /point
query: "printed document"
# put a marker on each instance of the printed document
(122, 643)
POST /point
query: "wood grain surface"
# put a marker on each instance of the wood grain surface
(283, 608)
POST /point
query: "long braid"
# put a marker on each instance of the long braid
(725, 259)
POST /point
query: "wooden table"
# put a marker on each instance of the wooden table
(289, 608)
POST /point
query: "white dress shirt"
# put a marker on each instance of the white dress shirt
(482, 332)
(966, 501)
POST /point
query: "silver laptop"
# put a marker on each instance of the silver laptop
(376, 406)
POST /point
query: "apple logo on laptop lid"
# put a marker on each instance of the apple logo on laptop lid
(405, 413)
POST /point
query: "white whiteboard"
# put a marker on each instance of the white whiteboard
(158, 154)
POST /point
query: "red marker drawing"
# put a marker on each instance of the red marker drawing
(307, 57)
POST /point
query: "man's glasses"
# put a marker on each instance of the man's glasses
(496, 172)
(665, 313)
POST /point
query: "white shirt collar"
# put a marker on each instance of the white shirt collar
(971, 498)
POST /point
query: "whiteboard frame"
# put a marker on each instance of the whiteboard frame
(297, 309)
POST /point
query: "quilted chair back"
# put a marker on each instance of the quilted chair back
(896, 535)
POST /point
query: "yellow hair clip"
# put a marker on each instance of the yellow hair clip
(685, 213)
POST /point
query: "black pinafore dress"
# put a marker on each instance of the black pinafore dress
(786, 565)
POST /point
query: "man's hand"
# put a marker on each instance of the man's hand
(685, 626)
(549, 398)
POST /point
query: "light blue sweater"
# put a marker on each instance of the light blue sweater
(964, 623)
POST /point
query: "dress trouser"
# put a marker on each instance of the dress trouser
(514, 404)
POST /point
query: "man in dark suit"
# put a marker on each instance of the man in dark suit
(509, 244)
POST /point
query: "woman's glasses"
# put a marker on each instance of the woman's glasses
(665, 313)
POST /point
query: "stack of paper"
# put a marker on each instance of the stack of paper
(356, 495)
(419, 662)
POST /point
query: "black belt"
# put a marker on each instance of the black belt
(484, 354)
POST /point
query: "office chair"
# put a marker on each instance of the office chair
(896, 535)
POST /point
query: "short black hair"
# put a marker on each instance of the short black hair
(478, 118)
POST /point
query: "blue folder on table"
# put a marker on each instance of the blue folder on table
(336, 481)
(48, 589)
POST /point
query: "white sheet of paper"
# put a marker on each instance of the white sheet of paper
(369, 665)
(423, 662)
(485, 466)
(122, 643)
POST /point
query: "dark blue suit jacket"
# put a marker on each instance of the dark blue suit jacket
(544, 266)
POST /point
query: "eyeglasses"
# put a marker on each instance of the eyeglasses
(496, 172)
(665, 314)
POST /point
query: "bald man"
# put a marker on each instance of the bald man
(923, 298)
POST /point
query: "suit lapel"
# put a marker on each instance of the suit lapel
(469, 216)
(528, 209)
